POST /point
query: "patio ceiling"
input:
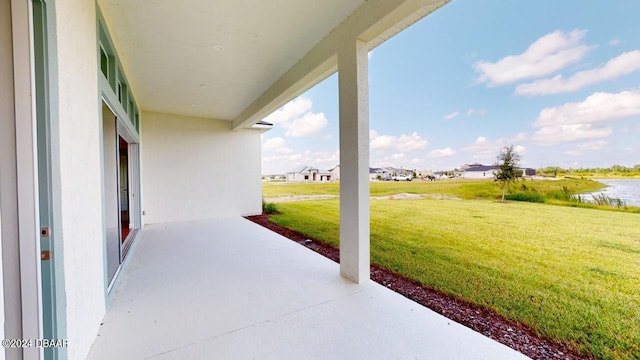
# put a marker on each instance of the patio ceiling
(238, 60)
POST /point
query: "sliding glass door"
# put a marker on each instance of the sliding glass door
(110, 190)
(120, 188)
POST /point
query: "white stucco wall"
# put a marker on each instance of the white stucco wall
(335, 173)
(10, 294)
(2, 354)
(478, 174)
(80, 172)
(196, 168)
(296, 176)
(6, 145)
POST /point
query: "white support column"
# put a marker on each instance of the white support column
(354, 161)
(26, 175)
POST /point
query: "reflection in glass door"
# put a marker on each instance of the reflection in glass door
(125, 220)
(121, 185)
(110, 183)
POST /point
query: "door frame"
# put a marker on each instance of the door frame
(133, 178)
(125, 130)
(38, 194)
(53, 299)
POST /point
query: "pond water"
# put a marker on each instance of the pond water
(627, 190)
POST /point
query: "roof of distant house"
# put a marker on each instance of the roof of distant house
(480, 168)
(308, 168)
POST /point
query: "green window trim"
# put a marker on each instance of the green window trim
(110, 68)
(104, 62)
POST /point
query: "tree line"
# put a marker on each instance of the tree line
(615, 170)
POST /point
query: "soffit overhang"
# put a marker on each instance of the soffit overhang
(240, 60)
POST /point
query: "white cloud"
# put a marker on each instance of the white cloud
(451, 116)
(574, 153)
(282, 163)
(592, 145)
(615, 42)
(309, 125)
(276, 144)
(484, 149)
(440, 153)
(290, 111)
(545, 56)
(585, 120)
(327, 158)
(519, 137)
(403, 143)
(624, 64)
(395, 160)
(391, 150)
(279, 164)
(552, 135)
(480, 112)
(380, 142)
(298, 119)
(411, 143)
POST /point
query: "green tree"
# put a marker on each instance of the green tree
(506, 164)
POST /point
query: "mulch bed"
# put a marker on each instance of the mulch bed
(484, 321)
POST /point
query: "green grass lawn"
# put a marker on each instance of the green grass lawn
(571, 274)
(465, 189)
(555, 192)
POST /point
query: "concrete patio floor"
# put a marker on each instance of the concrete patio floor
(230, 289)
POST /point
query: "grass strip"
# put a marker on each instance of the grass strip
(571, 274)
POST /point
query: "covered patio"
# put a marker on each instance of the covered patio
(125, 123)
(229, 289)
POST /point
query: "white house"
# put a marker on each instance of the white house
(335, 173)
(479, 172)
(309, 173)
(119, 114)
(379, 173)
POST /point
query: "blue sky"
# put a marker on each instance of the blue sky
(560, 80)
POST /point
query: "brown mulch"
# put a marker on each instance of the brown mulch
(487, 322)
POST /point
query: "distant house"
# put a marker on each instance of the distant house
(309, 173)
(335, 172)
(425, 174)
(479, 171)
(395, 171)
(379, 174)
(274, 177)
(466, 166)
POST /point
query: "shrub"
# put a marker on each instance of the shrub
(269, 208)
(559, 195)
(526, 196)
(602, 199)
